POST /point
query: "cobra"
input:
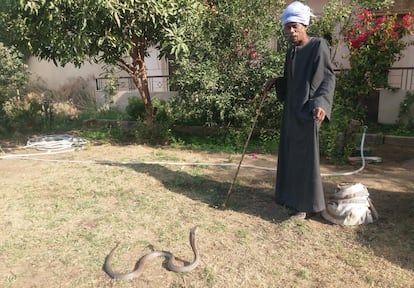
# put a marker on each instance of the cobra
(144, 259)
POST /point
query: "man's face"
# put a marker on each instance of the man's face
(296, 32)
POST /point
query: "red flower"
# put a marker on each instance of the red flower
(375, 43)
(407, 21)
(380, 21)
(355, 43)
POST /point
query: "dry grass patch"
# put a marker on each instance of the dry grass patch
(59, 220)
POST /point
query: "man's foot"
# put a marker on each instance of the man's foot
(298, 215)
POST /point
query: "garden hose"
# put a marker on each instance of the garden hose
(57, 144)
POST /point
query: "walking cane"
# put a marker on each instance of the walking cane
(225, 204)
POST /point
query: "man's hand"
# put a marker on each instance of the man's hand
(319, 114)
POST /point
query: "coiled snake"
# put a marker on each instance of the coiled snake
(144, 259)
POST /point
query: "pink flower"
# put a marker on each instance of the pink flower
(376, 42)
(355, 44)
(363, 14)
(380, 21)
(252, 53)
(407, 21)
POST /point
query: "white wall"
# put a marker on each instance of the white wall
(408, 58)
(55, 77)
(389, 105)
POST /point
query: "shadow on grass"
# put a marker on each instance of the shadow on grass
(391, 237)
(256, 201)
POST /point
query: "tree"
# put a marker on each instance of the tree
(372, 42)
(231, 59)
(13, 74)
(376, 43)
(116, 32)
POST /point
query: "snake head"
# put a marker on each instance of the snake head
(194, 229)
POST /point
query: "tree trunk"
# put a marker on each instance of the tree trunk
(141, 82)
(139, 76)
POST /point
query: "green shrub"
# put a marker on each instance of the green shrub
(231, 60)
(27, 114)
(406, 115)
(335, 143)
(112, 113)
(13, 76)
(160, 132)
(135, 108)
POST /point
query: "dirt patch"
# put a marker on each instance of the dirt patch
(60, 218)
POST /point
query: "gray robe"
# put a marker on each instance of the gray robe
(308, 82)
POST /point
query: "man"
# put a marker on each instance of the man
(307, 89)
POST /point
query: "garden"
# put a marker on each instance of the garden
(143, 177)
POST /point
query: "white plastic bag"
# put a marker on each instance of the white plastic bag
(350, 205)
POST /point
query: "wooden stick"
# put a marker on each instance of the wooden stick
(225, 204)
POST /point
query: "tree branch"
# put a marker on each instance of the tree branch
(125, 66)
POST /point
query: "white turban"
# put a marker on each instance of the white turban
(296, 12)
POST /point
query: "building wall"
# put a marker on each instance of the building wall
(55, 77)
(389, 105)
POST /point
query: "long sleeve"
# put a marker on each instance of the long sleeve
(323, 82)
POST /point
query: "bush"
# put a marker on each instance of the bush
(231, 60)
(160, 132)
(335, 137)
(25, 114)
(13, 75)
(76, 91)
(135, 108)
(210, 95)
(38, 111)
(406, 113)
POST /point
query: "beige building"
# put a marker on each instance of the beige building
(56, 77)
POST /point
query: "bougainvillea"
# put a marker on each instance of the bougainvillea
(376, 42)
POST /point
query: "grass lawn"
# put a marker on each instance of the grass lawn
(60, 219)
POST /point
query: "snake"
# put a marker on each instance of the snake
(139, 268)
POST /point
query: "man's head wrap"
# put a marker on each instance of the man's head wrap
(296, 12)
